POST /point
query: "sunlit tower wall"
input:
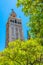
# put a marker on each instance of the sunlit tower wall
(13, 28)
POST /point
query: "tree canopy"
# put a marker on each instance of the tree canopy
(33, 9)
(28, 52)
(22, 53)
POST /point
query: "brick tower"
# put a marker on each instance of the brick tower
(13, 28)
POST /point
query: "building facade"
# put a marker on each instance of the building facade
(13, 28)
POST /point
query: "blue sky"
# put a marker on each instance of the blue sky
(5, 10)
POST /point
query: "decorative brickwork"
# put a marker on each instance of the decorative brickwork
(13, 28)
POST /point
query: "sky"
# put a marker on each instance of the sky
(5, 10)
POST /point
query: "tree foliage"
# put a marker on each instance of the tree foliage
(28, 52)
(33, 9)
(22, 53)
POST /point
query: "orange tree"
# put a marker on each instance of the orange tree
(22, 53)
(33, 9)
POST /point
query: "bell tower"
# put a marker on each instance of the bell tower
(13, 28)
(13, 14)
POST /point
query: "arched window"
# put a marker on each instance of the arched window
(15, 21)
